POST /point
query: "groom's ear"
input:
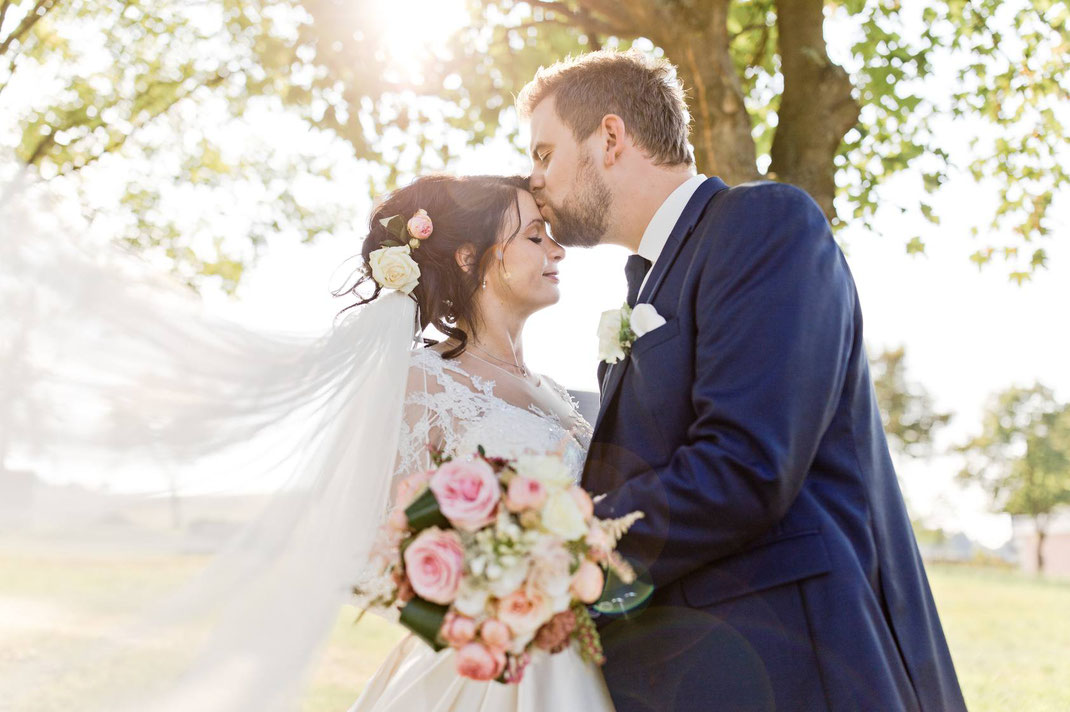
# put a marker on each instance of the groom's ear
(613, 135)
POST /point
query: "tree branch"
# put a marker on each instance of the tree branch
(40, 9)
(581, 17)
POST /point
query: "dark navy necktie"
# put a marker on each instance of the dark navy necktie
(634, 270)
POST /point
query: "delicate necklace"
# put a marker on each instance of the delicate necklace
(523, 370)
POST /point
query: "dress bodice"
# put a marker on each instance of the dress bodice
(449, 407)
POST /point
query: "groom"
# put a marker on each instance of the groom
(777, 566)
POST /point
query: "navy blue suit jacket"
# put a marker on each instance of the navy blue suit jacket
(784, 569)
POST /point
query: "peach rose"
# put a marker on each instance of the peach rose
(411, 486)
(457, 630)
(478, 662)
(467, 493)
(524, 611)
(583, 501)
(524, 493)
(433, 564)
(495, 634)
(420, 225)
(587, 582)
(397, 521)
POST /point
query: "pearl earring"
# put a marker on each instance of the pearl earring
(484, 284)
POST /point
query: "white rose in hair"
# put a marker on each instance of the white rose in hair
(394, 268)
(645, 318)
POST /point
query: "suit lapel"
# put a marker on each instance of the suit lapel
(696, 206)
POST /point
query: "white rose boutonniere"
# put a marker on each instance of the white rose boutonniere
(619, 328)
(394, 268)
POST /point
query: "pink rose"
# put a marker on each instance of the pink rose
(411, 486)
(583, 501)
(457, 630)
(420, 225)
(524, 493)
(467, 493)
(433, 564)
(478, 662)
(587, 582)
(524, 611)
(495, 634)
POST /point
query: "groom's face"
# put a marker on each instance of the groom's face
(571, 194)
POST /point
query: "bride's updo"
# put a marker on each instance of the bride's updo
(464, 211)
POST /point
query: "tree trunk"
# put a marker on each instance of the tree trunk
(721, 127)
(816, 108)
(1041, 525)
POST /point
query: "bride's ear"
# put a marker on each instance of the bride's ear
(466, 257)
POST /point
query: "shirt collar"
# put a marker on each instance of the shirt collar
(660, 226)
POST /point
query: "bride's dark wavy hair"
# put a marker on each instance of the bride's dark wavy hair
(465, 211)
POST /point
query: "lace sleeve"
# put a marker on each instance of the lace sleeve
(436, 403)
(580, 428)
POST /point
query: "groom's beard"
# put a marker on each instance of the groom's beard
(583, 219)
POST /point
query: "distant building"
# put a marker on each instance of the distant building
(1056, 543)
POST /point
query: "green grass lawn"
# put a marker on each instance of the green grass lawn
(1009, 634)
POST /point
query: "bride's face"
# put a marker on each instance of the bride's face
(523, 270)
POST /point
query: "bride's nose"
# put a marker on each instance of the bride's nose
(557, 253)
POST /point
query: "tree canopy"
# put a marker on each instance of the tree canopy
(1021, 457)
(836, 96)
(907, 412)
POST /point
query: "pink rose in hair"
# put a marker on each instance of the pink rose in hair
(525, 493)
(478, 662)
(433, 565)
(467, 493)
(420, 225)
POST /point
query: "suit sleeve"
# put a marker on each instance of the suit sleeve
(774, 325)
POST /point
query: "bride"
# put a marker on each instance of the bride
(487, 265)
(165, 409)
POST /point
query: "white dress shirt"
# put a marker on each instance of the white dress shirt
(660, 226)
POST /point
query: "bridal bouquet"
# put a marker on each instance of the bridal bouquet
(497, 559)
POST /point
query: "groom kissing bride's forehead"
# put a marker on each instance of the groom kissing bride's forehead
(778, 568)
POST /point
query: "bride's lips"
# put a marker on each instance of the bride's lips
(552, 276)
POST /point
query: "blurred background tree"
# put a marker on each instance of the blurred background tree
(856, 92)
(910, 420)
(1021, 458)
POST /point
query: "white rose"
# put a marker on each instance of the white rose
(509, 580)
(609, 348)
(471, 600)
(645, 318)
(562, 516)
(548, 469)
(394, 268)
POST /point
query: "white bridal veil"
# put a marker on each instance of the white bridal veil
(184, 502)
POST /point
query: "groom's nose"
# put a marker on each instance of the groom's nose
(536, 181)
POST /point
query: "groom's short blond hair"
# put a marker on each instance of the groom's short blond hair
(641, 89)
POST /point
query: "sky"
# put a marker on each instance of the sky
(967, 333)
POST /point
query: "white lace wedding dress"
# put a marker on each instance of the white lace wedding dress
(459, 405)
